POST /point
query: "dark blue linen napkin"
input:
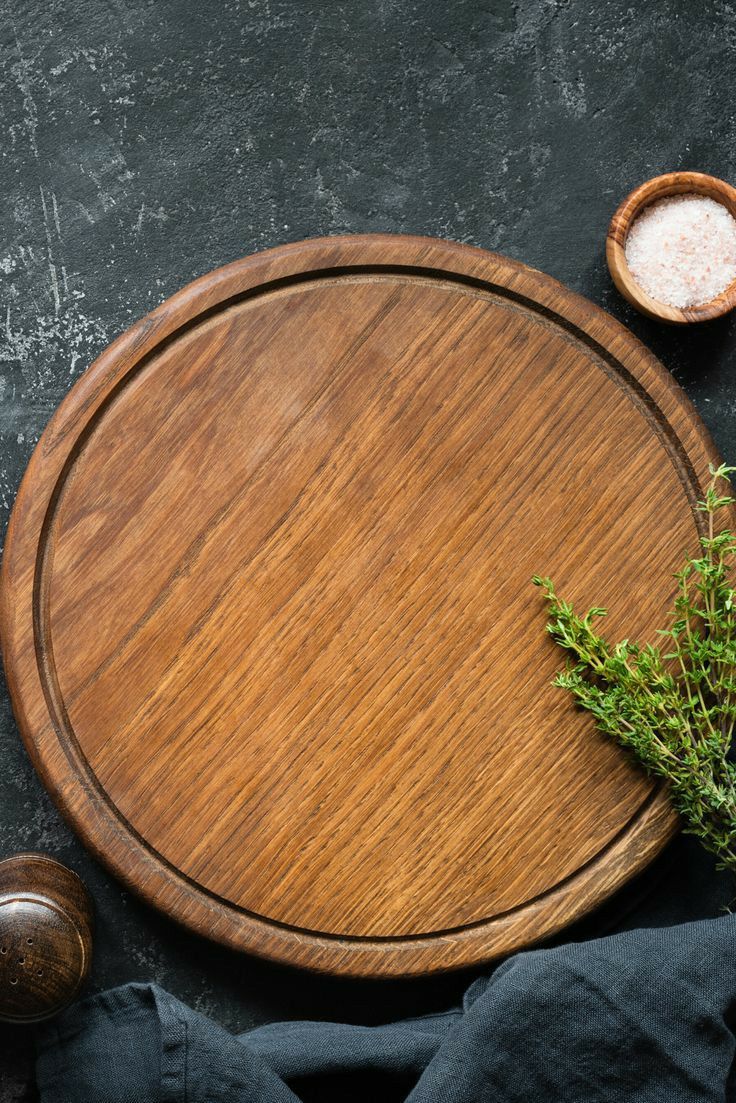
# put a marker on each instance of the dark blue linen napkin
(645, 1016)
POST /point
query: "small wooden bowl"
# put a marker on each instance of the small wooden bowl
(659, 187)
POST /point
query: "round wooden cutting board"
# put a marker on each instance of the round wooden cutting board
(267, 614)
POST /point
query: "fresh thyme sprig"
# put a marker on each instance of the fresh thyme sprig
(674, 711)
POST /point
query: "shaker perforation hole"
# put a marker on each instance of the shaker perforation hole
(21, 961)
(13, 980)
(29, 941)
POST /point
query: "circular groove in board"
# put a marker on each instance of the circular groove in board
(267, 617)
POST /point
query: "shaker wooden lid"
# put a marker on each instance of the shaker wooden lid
(267, 613)
(45, 937)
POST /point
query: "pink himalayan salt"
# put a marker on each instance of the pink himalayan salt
(682, 250)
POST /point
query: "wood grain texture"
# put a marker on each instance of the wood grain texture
(266, 605)
(660, 187)
(45, 937)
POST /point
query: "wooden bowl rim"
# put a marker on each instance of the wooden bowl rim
(652, 190)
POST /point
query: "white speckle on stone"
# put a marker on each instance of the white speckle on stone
(149, 214)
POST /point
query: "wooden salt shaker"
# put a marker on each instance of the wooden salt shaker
(45, 937)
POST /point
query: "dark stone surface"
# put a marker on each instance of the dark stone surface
(143, 143)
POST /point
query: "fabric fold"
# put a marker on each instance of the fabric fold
(646, 1015)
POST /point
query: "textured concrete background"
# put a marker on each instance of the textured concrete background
(143, 143)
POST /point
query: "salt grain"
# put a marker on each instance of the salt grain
(682, 250)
